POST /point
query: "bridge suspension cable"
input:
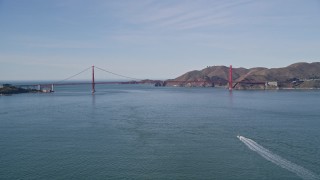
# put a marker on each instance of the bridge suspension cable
(72, 76)
(117, 74)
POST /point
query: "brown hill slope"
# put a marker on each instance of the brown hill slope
(219, 74)
(294, 71)
(215, 74)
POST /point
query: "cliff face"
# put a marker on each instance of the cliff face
(298, 75)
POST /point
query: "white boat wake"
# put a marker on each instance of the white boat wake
(268, 155)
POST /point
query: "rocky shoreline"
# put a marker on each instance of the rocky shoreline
(9, 90)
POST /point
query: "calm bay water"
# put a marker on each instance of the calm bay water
(144, 132)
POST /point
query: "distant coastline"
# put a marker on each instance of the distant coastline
(303, 76)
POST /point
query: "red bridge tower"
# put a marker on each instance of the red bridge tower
(230, 78)
(93, 83)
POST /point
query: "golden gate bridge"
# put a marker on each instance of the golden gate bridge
(49, 87)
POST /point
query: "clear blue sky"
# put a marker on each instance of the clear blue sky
(46, 40)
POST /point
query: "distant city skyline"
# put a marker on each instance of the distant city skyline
(156, 39)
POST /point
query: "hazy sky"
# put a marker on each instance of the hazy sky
(160, 39)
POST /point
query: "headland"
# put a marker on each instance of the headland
(295, 76)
